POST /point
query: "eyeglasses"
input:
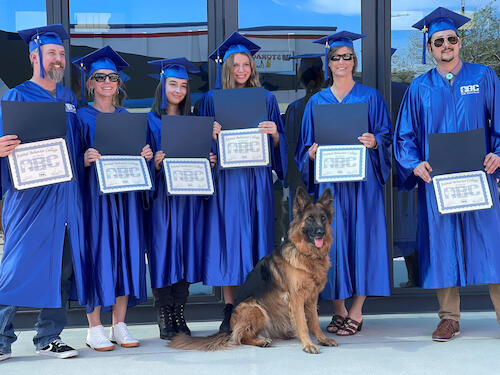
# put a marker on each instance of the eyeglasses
(345, 57)
(438, 42)
(101, 77)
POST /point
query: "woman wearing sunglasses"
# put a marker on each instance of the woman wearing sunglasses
(175, 222)
(114, 222)
(359, 251)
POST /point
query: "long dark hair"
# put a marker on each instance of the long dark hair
(185, 105)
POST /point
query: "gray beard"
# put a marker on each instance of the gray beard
(55, 75)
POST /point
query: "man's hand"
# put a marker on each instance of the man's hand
(90, 156)
(422, 170)
(7, 144)
(491, 163)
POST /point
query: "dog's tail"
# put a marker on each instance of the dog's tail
(218, 341)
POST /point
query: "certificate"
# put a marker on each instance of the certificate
(188, 176)
(340, 163)
(461, 192)
(243, 148)
(40, 163)
(120, 174)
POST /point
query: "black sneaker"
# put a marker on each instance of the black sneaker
(4, 356)
(226, 323)
(58, 349)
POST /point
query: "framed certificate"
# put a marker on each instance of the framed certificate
(461, 192)
(243, 148)
(40, 163)
(340, 163)
(188, 176)
(120, 174)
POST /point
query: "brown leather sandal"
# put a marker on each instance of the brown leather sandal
(336, 323)
(350, 327)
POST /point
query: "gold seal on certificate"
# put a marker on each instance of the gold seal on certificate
(243, 148)
(340, 163)
(40, 163)
(462, 192)
(120, 174)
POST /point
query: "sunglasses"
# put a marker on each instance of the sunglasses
(345, 57)
(101, 77)
(438, 42)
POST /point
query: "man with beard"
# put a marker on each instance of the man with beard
(43, 262)
(456, 249)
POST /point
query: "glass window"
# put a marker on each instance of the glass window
(17, 15)
(141, 32)
(479, 40)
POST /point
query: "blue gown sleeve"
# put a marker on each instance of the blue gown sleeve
(407, 149)
(381, 127)
(6, 182)
(492, 87)
(278, 153)
(306, 139)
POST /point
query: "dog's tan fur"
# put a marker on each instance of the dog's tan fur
(297, 272)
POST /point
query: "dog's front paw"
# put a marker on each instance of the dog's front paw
(265, 343)
(327, 342)
(311, 349)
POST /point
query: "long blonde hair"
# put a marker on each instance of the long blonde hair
(227, 72)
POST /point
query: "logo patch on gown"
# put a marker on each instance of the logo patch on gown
(70, 108)
(469, 89)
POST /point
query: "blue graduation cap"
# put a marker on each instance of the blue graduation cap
(233, 44)
(338, 39)
(103, 58)
(177, 67)
(124, 77)
(39, 36)
(438, 20)
(393, 50)
(312, 59)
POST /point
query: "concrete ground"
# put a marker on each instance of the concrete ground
(388, 344)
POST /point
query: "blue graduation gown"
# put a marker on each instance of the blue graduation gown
(114, 234)
(35, 221)
(175, 228)
(359, 250)
(454, 249)
(240, 217)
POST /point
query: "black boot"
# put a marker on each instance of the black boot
(180, 321)
(166, 322)
(226, 323)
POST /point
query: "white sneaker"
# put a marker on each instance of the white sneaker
(120, 335)
(4, 356)
(97, 340)
(58, 349)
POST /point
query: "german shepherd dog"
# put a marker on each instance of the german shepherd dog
(280, 295)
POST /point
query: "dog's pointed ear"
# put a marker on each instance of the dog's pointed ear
(302, 200)
(326, 200)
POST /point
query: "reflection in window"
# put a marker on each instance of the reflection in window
(141, 32)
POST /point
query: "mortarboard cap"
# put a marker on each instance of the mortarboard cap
(393, 50)
(124, 77)
(103, 58)
(438, 20)
(338, 39)
(39, 36)
(233, 44)
(177, 67)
